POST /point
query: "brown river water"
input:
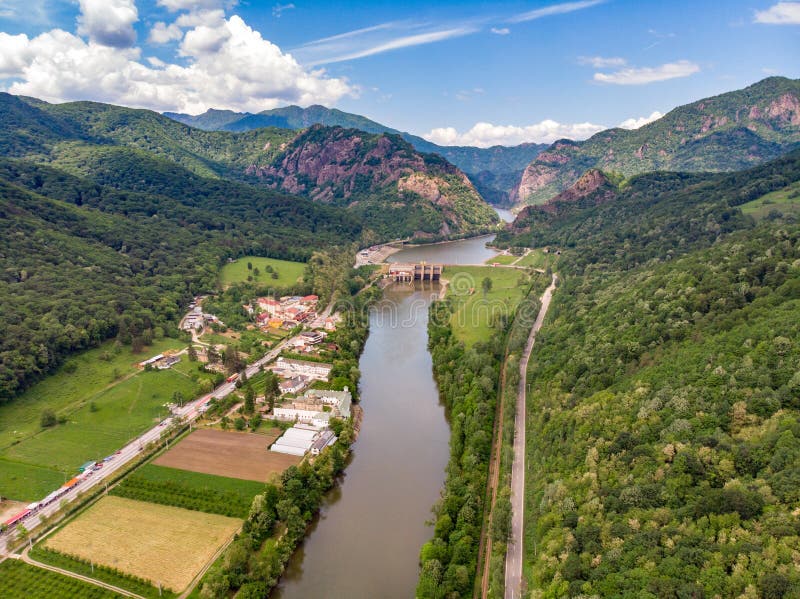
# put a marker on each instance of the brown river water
(365, 543)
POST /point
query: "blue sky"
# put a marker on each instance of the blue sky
(528, 71)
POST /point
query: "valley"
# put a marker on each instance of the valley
(291, 354)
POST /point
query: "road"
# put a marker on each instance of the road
(189, 413)
(513, 583)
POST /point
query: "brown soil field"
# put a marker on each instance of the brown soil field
(224, 453)
(160, 543)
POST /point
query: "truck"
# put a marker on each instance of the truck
(232, 377)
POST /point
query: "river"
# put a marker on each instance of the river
(366, 541)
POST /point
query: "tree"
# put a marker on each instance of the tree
(249, 266)
(178, 398)
(486, 285)
(249, 400)
(271, 389)
(48, 418)
(239, 424)
(192, 353)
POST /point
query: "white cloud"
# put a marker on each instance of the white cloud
(500, 30)
(161, 33)
(108, 22)
(226, 64)
(643, 75)
(279, 9)
(193, 5)
(635, 123)
(357, 46)
(782, 13)
(484, 135)
(554, 9)
(600, 62)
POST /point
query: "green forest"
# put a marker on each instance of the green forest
(664, 407)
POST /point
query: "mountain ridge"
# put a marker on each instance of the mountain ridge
(727, 132)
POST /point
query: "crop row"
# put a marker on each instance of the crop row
(21, 581)
(106, 574)
(178, 494)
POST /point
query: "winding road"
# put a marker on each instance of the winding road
(513, 583)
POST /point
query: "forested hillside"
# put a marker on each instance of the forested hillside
(729, 132)
(664, 410)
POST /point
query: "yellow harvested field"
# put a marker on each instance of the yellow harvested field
(160, 543)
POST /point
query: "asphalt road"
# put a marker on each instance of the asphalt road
(513, 584)
(189, 413)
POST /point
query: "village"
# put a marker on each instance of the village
(304, 404)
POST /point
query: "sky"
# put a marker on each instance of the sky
(457, 73)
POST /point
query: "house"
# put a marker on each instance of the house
(151, 361)
(275, 323)
(330, 324)
(293, 385)
(339, 401)
(248, 308)
(312, 337)
(168, 362)
(309, 300)
(325, 439)
(263, 318)
(315, 370)
(269, 305)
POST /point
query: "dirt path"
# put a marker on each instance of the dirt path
(29, 560)
(513, 583)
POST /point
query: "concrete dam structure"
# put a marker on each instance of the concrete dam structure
(413, 271)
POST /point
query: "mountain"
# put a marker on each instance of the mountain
(495, 171)
(90, 139)
(380, 177)
(728, 132)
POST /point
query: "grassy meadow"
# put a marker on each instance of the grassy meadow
(475, 311)
(103, 403)
(237, 271)
(786, 201)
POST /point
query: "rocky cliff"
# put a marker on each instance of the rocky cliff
(381, 176)
(728, 132)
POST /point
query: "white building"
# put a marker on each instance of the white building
(314, 370)
(295, 441)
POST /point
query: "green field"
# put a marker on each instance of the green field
(21, 581)
(95, 426)
(786, 201)
(536, 259)
(474, 314)
(502, 259)
(190, 490)
(237, 272)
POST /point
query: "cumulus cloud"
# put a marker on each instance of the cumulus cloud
(635, 123)
(226, 64)
(108, 22)
(161, 33)
(600, 62)
(782, 13)
(643, 75)
(484, 135)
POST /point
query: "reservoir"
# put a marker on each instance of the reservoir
(464, 251)
(366, 541)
